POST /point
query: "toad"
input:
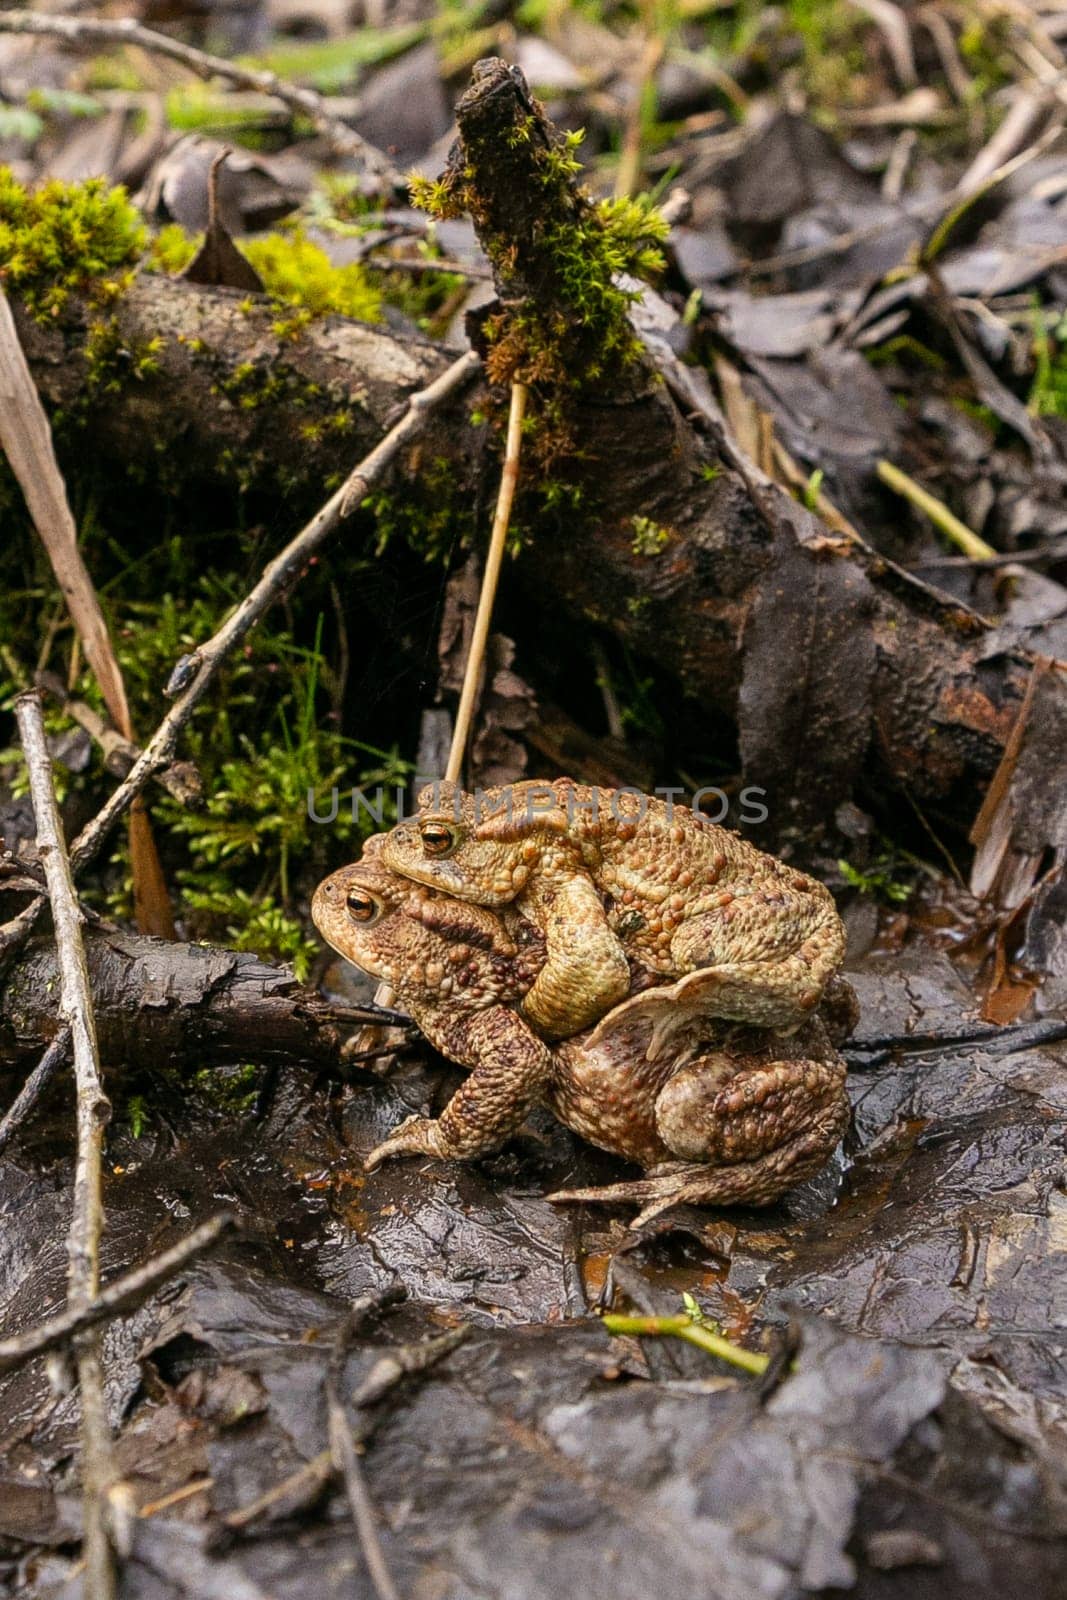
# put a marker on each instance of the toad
(610, 874)
(716, 1114)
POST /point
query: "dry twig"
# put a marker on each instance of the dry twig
(22, 1106)
(345, 1457)
(94, 31)
(120, 1296)
(509, 478)
(93, 1111)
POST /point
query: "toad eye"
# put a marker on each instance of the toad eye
(362, 907)
(437, 838)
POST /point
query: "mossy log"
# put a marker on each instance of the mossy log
(834, 664)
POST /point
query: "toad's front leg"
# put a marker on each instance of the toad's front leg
(586, 971)
(511, 1068)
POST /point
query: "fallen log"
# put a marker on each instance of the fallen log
(835, 665)
(166, 1005)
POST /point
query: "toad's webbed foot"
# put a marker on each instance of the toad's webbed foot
(416, 1136)
(744, 1183)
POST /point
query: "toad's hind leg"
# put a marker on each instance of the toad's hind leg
(744, 1137)
(715, 1112)
(767, 956)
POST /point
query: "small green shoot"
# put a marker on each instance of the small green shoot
(694, 1327)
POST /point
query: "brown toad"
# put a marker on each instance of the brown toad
(608, 874)
(718, 1114)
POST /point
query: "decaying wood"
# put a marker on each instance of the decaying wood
(165, 1005)
(836, 665)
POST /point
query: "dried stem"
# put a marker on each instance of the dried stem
(120, 1296)
(182, 781)
(93, 1111)
(957, 532)
(21, 1108)
(509, 477)
(194, 674)
(346, 1460)
(93, 31)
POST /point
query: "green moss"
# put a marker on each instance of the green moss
(650, 538)
(1048, 392)
(299, 272)
(65, 238)
(294, 270)
(112, 359)
(578, 333)
(431, 516)
(172, 249)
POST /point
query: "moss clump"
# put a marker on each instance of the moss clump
(568, 323)
(66, 238)
(650, 538)
(299, 272)
(294, 270)
(172, 249)
(112, 358)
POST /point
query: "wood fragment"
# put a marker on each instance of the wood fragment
(21, 1109)
(98, 1470)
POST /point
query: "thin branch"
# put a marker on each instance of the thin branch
(21, 1108)
(120, 1296)
(93, 1111)
(301, 1484)
(181, 780)
(419, 264)
(405, 1360)
(93, 31)
(509, 477)
(194, 674)
(346, 1462)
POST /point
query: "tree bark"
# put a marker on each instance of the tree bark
(160, 1004)
(835, 664)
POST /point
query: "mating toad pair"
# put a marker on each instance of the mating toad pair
(529, 932)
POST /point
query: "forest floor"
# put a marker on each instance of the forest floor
(866, 268)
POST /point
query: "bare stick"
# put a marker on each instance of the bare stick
(509, 477)
(93, 1111)
(181, 780)
(93, 31)
(120, 1296)
(32, 1090)
(404, 1360)
(346, 1462)
(311, 1476)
